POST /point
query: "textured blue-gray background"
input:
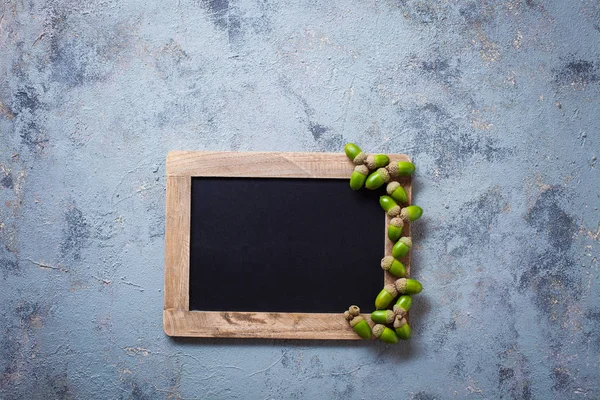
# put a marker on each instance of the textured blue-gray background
(496, 101)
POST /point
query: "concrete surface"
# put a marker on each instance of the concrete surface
(497, 101)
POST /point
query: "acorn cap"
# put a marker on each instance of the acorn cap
(384, 174)
(399, 311)
(378, 330)
(386, 263)
(390, 316)
(360, 158)
(356, 320)
(394, 211)
(391, 289)
(404, 215)
(397, 222)
(406, 240)
(348, 316)
(370, 162)
(399, 321)
(400, 285)
(393, 169)
(362, 169)
(391, 187)
(354, 310)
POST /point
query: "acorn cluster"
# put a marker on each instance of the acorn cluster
(373, 171)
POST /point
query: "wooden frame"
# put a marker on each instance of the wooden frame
(178, 320)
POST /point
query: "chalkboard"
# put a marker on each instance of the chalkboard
(284, 245)
(270, 245)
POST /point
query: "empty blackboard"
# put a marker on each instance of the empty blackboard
(283, 245)
(270, 245)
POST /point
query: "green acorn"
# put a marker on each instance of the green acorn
(385, 334)
(402, 328)
(361, 327)
(352, 150)
(395, 229)
(397, 192)
(393, 266)
(358, 323)
(402, 305)
(388, 204)
(377, 179)
(383, 316)
(402, 247)
(359, 176)
(411, 213)
(407, 286)
(385, 297)
(377, 161)
(401, 168)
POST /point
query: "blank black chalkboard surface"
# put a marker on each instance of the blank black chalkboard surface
(270, 245)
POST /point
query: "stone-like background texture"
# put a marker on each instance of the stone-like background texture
(498, 102)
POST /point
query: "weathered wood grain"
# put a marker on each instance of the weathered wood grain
(177, 242)
(258, 325)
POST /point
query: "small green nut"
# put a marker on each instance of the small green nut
(385, 334)
(361, 327)
(403, 304)
(377, 179)
(411, 213)
(402, 247)
(397, 192)
(359, 176)
(389, 205)
(386, 296)
(383, 316)
(401, 168)
(377, 161)
(403, 332)
(408, 286)
(393, 266)
(395, 229)
(402, 328)
(352, 150)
